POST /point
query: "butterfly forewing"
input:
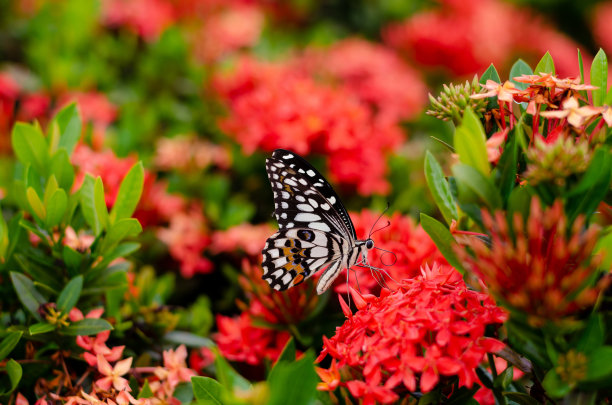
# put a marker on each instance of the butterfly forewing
(292, 255)
(311, 177)
(297, 203)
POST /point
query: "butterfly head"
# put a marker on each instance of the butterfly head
(369, 244)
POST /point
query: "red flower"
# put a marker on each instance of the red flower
(239, 340)
(430, 328)
(34, 106)
(375, 74)
(602, 30)
(408, 242)
(277, 106)
(541, 267)
(464, 37)
(147, 18)
(245, 237)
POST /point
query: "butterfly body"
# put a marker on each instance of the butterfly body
(315, 228)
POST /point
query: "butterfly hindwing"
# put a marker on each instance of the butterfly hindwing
(311, 176)
(292, 255)
(298, 203)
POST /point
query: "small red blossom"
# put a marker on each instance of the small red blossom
(245, 237)
(175, 368)
(34, 106)
(146, 18)
(112, 375)
(538, 267)
(407, 241)
(239, 340)
(432, 327)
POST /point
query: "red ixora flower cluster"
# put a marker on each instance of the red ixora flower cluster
(276, 105)
(464, 37)
(410, 247)
(431, 328)
(179, 224)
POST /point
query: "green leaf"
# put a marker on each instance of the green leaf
(100, 203)
(282, 381)
(27, 293)
(188, 339)
(521, 398)
(545, 65)
(30, 146)
(14, 371)
(503, 380)
(72, 258)
(470, 142)
(580, 66)
(88, 205)
(70, 294)
(288, 354)
(41, 327)
(145, 391)
(123, 228)
(4, 238)
(443, 239)
(8, 343)
(56, 208)
(87, 327)
(37, 206)
(599, 365)
(599, 77)
(593, 335)
(490, 74)
(207, 390)
(520, 68)
(507, 166)
(554, 385)
(129, 193)
(62, 169)
(439, 188)
(604, 248)
(227, 376)
(474, 180)
(69, 124)
(50, 188)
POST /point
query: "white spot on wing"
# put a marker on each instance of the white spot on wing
(325, 206)
(332, 199)
(318, 251)
(291, 182)
(311, 173)
(322, 226)
(304, 182)
(305, 217)
(273, 253)
(288, 156)
(313, 202)
(284, 205)
(305, 207)
(286, 278)
(285, 195)
(300, 198)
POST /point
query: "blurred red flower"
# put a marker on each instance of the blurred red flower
(239, 340)
(602, 29)
(146, 18)
(34, 106)
(245, 237)
(375, 74)
(409, 243)
(189, 153)
(465, 37)
(277, 106)
(537, 265)
(433, 327)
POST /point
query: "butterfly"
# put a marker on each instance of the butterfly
(315, 230)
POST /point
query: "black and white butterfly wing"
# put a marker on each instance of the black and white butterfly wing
(303, 198)
(292, 255)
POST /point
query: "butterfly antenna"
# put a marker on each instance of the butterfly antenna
(375, 222)
(383, 255)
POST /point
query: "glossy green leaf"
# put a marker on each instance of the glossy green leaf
(545, 65)
(593, 335)
(50, 188)
(87, 327)
(439, 188)
(508, 166)
(555, 387)
(490, 74)
(580, 66)
(14, 371)
(282, 378)
(520, 68)
(72, 258)
(100, 203)
(40, 328)
(228, 377)
(30, 146)
(588, 200)
(123, 228)
(88, 205)
(8, 343)
(207, 390)
(146, 392)
(129, 194)
(599, 366)
(62, 169)
(470, 142)
(27, 293)
(503, 380)
(474, 180)
(36, 205)
(443, 239)
(69, 124)
(188, 339)
(599, 77)
(70, 294)
(56, 208)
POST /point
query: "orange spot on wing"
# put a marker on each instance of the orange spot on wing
(298, 279)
